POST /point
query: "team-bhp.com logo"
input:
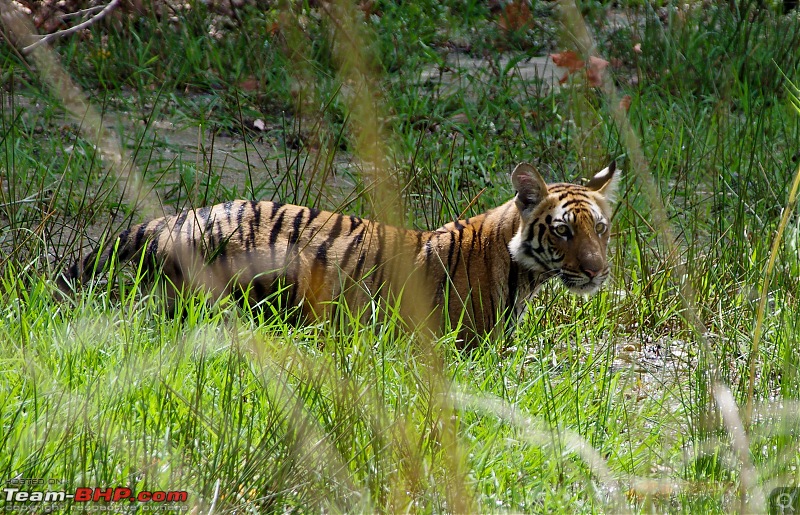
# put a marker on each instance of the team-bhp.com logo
(18, 499)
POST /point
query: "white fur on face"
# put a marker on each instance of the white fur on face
(547, 259)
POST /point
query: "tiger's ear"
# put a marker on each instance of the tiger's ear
(531, 188)
(605, 182)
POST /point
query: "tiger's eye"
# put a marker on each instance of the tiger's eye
(600, 227)
(561, 230)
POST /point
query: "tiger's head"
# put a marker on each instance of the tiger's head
(564, 228)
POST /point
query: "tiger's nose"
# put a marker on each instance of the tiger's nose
(591, 262)
(591, 272)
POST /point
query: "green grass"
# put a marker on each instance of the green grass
(614, 403)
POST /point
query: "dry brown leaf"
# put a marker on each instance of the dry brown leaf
(249, 84)
(369, 8)
(574, 64)
(625, 103)
(569, 60)
(516, 15)
(594, 72)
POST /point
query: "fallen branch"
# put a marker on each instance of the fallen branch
(82, 12)
(49, 37)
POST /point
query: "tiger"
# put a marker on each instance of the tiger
(478, 272)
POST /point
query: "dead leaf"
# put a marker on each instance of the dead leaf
(569, 60)
(249, 84)
(625, 103)
(574, 64)
(594, 72)
(369, 8)
(516, 15)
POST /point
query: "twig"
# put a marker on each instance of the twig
(82, 12)
(27, 200)
(49, 37)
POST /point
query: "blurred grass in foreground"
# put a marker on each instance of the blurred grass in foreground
(607, 404)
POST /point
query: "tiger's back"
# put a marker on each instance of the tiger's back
(260, 248)
(480, 268)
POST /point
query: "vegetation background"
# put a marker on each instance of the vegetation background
(674, 389)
